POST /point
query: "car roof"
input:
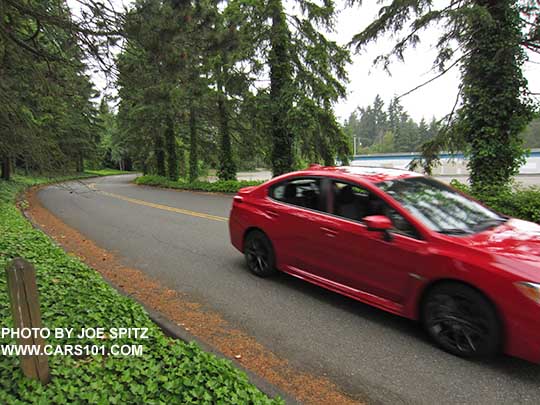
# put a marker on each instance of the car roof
(366, 173)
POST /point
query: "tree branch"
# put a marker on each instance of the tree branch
(433, 78)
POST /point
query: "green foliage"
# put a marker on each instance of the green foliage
(531, 135)
(47, 119)
(106, 172)
(181, 64)
(222, 186)
(518, 202)
(392, 130)
(307, 75)
(385, 145)
(281, 89)
(487, 40)
(73, 295)
(113, 151)
(203, 64)
(495, 105)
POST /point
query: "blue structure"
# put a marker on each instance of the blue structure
(450, 164)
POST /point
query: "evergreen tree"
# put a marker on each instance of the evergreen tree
(47, 119)
(486, 38)
(531, 135)
(306, 72)
(390, 130)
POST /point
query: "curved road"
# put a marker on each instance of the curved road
(367, 352)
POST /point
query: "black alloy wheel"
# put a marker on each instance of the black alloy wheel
(259, 254)
(462, 321)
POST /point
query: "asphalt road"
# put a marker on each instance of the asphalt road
(364, 350)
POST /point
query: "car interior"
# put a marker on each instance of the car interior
(302, 193)
(355, 203)
(349, 201)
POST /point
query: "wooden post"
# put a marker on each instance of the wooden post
(23, 294)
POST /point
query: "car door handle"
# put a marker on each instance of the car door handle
(329, 232)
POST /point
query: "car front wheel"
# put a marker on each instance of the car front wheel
(259, 254)
(462, 321)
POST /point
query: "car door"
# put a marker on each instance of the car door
(294, 207)
(362, 259)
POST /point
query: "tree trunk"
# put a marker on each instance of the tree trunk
(227, 167)
(326, 151)
(193, 159)
(160, 155)
(182, 162)
(172, 159)
(280, 100)
(6, 168)
(79, 163)
(495, 109)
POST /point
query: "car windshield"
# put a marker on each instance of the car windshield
(439, 207)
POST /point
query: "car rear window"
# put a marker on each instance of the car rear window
(301, 192)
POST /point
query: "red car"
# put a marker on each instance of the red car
(405, 243)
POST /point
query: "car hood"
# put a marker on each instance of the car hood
(515, 239)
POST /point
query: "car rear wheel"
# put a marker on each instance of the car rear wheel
(259, 254)
(462, 321)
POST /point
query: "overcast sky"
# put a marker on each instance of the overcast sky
(366, 80)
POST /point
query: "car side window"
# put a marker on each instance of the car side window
(401, 225)
(348, 200)
(301, 192)
(354, 202)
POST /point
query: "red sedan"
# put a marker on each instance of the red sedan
(405, 243)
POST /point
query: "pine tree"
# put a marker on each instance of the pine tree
(47, 119)
(307, 72)
(486, 39)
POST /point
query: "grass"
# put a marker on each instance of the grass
(106, 172)
(229, 186)
(72, 295)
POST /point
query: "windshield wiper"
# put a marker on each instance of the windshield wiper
(488, 223)
(454, 231)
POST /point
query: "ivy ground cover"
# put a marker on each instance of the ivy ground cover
(75, 296)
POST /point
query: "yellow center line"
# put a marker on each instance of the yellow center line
(160, 206)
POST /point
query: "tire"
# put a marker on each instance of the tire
(259, 254)
(462, 321)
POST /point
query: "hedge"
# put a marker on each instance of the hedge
(73, 295)
(519, 202)
(106, 172)
(229, 186)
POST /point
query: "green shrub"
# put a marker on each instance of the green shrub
(518, 202)
(229, 186)
(105, 172)
(73, 295)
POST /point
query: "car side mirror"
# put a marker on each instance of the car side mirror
(379, 223)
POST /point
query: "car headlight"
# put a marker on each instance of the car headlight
(530, 290)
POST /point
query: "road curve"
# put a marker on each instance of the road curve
(365, 351)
